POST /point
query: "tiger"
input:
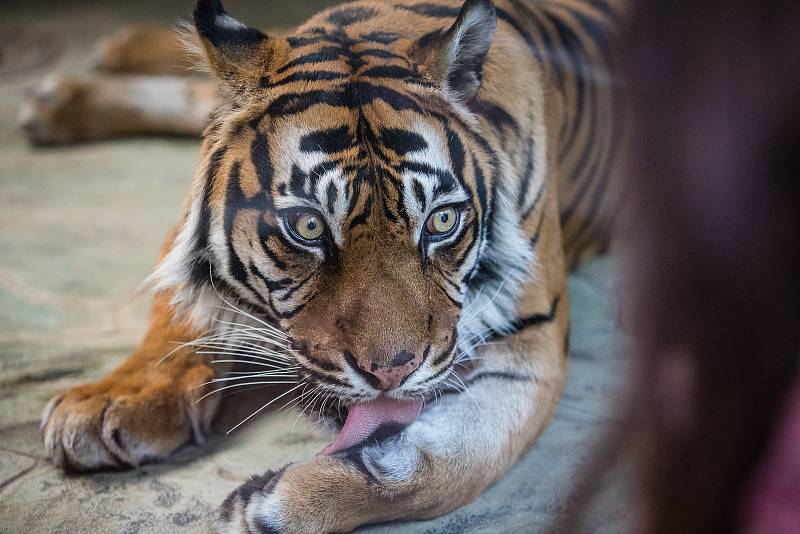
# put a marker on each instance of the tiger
(386, 205)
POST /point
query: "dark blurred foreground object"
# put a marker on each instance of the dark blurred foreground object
(715, 236)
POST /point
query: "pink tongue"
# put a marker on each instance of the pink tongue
(364, 418)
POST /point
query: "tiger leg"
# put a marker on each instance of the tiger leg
(74, 109)
(142, 411)
(458, 447)
(150, 49)
(143, 49)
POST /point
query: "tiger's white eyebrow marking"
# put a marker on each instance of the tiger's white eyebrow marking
(418, 183)
(319, 176)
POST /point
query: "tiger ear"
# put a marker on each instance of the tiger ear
(454, 58)
(236, 53)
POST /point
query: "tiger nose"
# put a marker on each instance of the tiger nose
(392, 375)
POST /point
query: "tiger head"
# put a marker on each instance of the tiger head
(347, 195)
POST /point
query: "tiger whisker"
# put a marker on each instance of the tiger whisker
(244, 343)
(181, 345)
(268, 374)
(250, 372)
(318, 392)
(322, 407)
(249, 362)
(243, 421)
(270, 331)
(239, 354)
(244, 338)
(246, 352)
(292, 402)
(468, 391)
(234, 308)
(240, 391)
(239, 337)
(279, 362)
(265, 382)
(313, 403)
(491, 300)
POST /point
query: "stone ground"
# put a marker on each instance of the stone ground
(80, 228)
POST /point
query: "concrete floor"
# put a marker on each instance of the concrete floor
(80, 228)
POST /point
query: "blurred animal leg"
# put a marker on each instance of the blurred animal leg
(69, 110)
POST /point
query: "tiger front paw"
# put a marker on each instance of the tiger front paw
(329, 493)
(126, 419)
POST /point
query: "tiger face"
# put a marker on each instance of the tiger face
(356, 232)
(346, 196)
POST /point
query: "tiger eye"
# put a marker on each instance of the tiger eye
(442, 221)
(309, 226)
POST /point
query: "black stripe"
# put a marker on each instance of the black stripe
(298, 41)
(527, 174)
(380, 53)
(362, 217)
(446, 353)
(536, 200)
(256, 484)
(279, 263)
(572, 47)
(446, 180)
(432, 10)
(262, 163)
(328, 141)
(294, 289)
(419, 193)
(390, 71)
(437, 374)
(202, 268)
(448, 280)
(297, 182)
(330, 197)
(305, 76)
(515, 377)
(235, 201)
(352, 455)
(598, 197)
(538, 232)
(323, 378)
(460, 262)
(349, 15)
(329, 53)
(551, 48)
(402, 141)
(350, 96)
(495, 114)
(457, 155)
(381, 37)
(351, 361)
(530, 321)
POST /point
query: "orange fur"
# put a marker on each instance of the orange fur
(538, 136)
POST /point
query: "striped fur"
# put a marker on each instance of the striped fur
(372, 116)
(348, 119)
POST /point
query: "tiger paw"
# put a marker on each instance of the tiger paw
(328, 493)
(127, 419)
(52, 113)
